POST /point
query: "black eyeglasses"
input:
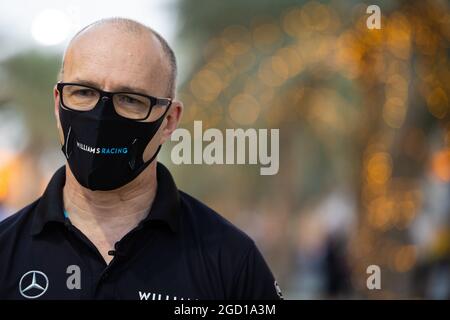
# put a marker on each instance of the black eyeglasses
(130, 105)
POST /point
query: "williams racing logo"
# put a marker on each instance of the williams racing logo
(103, 150)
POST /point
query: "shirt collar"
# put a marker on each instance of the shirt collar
(165, 207)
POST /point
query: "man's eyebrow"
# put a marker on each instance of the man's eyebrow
(132, 89)
(116, 89)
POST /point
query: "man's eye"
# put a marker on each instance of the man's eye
(129, 100)
(84, 93)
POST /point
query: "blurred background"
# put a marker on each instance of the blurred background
(364, 119)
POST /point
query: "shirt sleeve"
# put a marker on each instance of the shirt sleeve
(254, 280)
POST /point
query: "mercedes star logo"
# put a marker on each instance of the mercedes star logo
(33, 284)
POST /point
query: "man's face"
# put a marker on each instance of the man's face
(115, 60)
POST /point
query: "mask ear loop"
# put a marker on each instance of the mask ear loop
(154, 156)
(132, 162)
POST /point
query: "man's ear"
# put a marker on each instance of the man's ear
(172, 120)
(56, 102)
(56, 112)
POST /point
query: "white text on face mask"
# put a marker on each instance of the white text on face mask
(95, 150)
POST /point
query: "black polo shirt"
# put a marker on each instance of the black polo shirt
(181, 250)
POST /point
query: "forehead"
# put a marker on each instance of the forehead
(110, 57)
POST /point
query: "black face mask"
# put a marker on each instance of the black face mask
(103, 149)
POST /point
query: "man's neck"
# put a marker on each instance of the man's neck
(106, 216)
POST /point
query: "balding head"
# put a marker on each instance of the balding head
(123, 46)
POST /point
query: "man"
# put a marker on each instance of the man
(112, 224)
